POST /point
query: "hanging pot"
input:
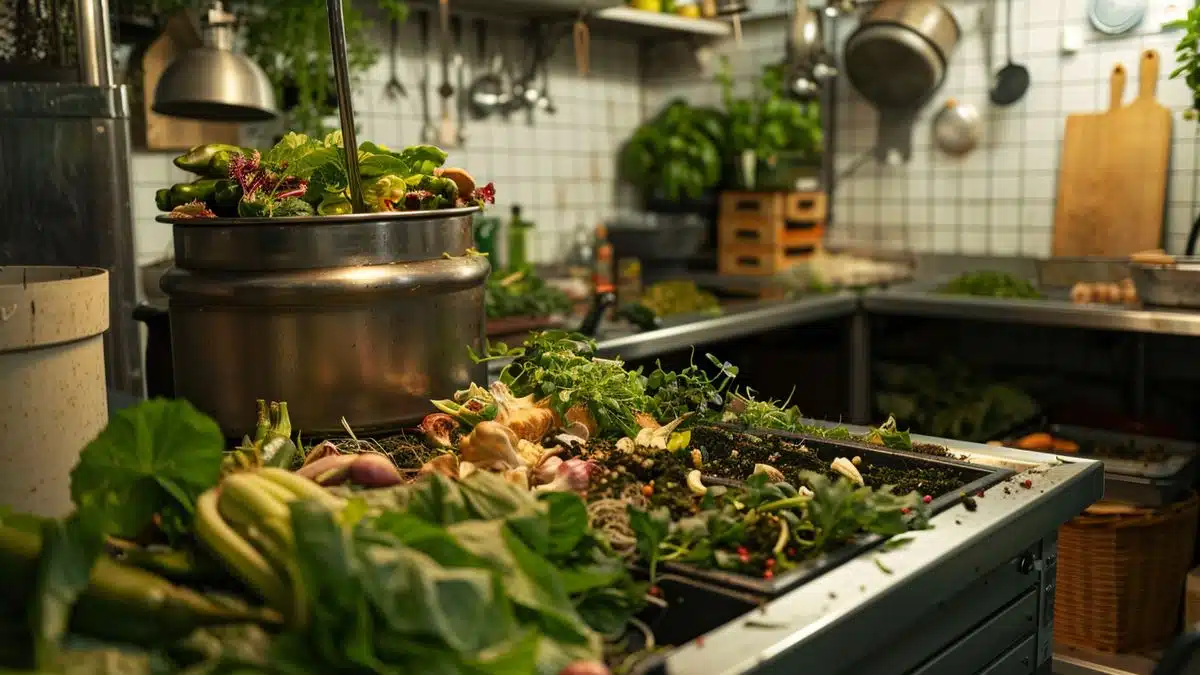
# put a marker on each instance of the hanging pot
(897, 59)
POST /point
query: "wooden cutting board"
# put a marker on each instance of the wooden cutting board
(1113, 175)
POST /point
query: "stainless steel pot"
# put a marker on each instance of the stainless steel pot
(897, 59)
(361, 316)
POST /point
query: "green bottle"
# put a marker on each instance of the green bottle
(518, 240)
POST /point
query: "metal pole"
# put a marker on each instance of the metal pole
(341, 72)
(93, 43)
(860, 367)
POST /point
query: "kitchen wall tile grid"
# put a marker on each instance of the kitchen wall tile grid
(560, 168)
(998, 200)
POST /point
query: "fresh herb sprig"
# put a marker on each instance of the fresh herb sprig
(767, 528)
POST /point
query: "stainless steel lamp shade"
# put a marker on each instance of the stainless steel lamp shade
(214, 83)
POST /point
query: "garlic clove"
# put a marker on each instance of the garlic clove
(846, 468)
(627, 445)
(774, 475)
(804, 491)
(695, 484)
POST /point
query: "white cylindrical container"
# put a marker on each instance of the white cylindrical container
(53, 397)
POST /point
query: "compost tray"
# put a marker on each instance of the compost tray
(1141, 470)
(690, 609)
(953, 481)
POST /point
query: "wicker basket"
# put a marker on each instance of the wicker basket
(1121, 577)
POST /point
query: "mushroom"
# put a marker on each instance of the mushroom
(437, 428)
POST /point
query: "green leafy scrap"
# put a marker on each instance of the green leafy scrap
(155, 458)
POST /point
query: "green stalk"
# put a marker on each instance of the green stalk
(781, 541)
(303, 488)
(247, 506)
(242, 559)
(275, 490)
(786, 503)
(121, 603)
(263, 424)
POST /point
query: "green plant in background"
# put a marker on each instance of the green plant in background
(290, 40)
(769, 123)
(677, 154)
(1187, 55)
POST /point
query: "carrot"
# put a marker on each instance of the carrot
(1065, 445)
(1038, 441)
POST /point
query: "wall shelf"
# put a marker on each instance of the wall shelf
(659, 23)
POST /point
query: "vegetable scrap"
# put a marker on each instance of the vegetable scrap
(991, 284)
(303, 176)
(523, 293)
(522, 531)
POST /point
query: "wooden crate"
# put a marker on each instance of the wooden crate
(755, 260)
(774, 205)
(764, 233)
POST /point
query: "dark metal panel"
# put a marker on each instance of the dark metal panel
(64, 193)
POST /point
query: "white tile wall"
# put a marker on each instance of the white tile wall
(999, 199)
(560, 169)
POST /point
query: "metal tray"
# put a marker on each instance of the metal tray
(973, 476)
(1175, 285)
(1144, 483)
(693, 608)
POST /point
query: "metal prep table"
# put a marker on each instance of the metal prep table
(975, 594)
(741, 321)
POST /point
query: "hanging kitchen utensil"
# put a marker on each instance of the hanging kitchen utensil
(957, 128)
(581, 38)
(394, 89)
(447, 133)
(486, 94)
(460, 76)
(733, 9)
(897, 59)
(804, 48)
(987, 35)
(545, 103)
(1116, 17)
(1012, 81)
(428, 131)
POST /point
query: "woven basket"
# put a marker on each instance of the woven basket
(1121, 577)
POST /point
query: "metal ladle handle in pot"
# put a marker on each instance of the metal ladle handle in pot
(341, 74)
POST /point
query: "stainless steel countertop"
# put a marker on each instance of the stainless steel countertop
(915, 300)
(861, 603)
(741, 321)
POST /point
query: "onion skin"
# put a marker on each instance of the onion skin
(368, 469)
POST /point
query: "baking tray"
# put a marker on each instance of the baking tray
(692, 609)
(974, 478)
(1143, 483)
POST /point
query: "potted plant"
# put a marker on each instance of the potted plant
(1187, 56)
(773, 139)
(675, 159)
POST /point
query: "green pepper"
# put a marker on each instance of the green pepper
(162, 199)
(218, 166)
(225, 198)
(199, 160)
(198, 190)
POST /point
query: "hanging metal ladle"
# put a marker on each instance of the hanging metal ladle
(341, 75)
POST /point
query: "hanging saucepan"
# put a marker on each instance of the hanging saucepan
(897, 59)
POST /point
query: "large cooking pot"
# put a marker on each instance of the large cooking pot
(362, 316)
(897, 59)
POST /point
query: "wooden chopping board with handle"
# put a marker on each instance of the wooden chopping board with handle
(1113, 176)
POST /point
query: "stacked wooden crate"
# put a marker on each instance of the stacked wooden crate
(764, 233)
